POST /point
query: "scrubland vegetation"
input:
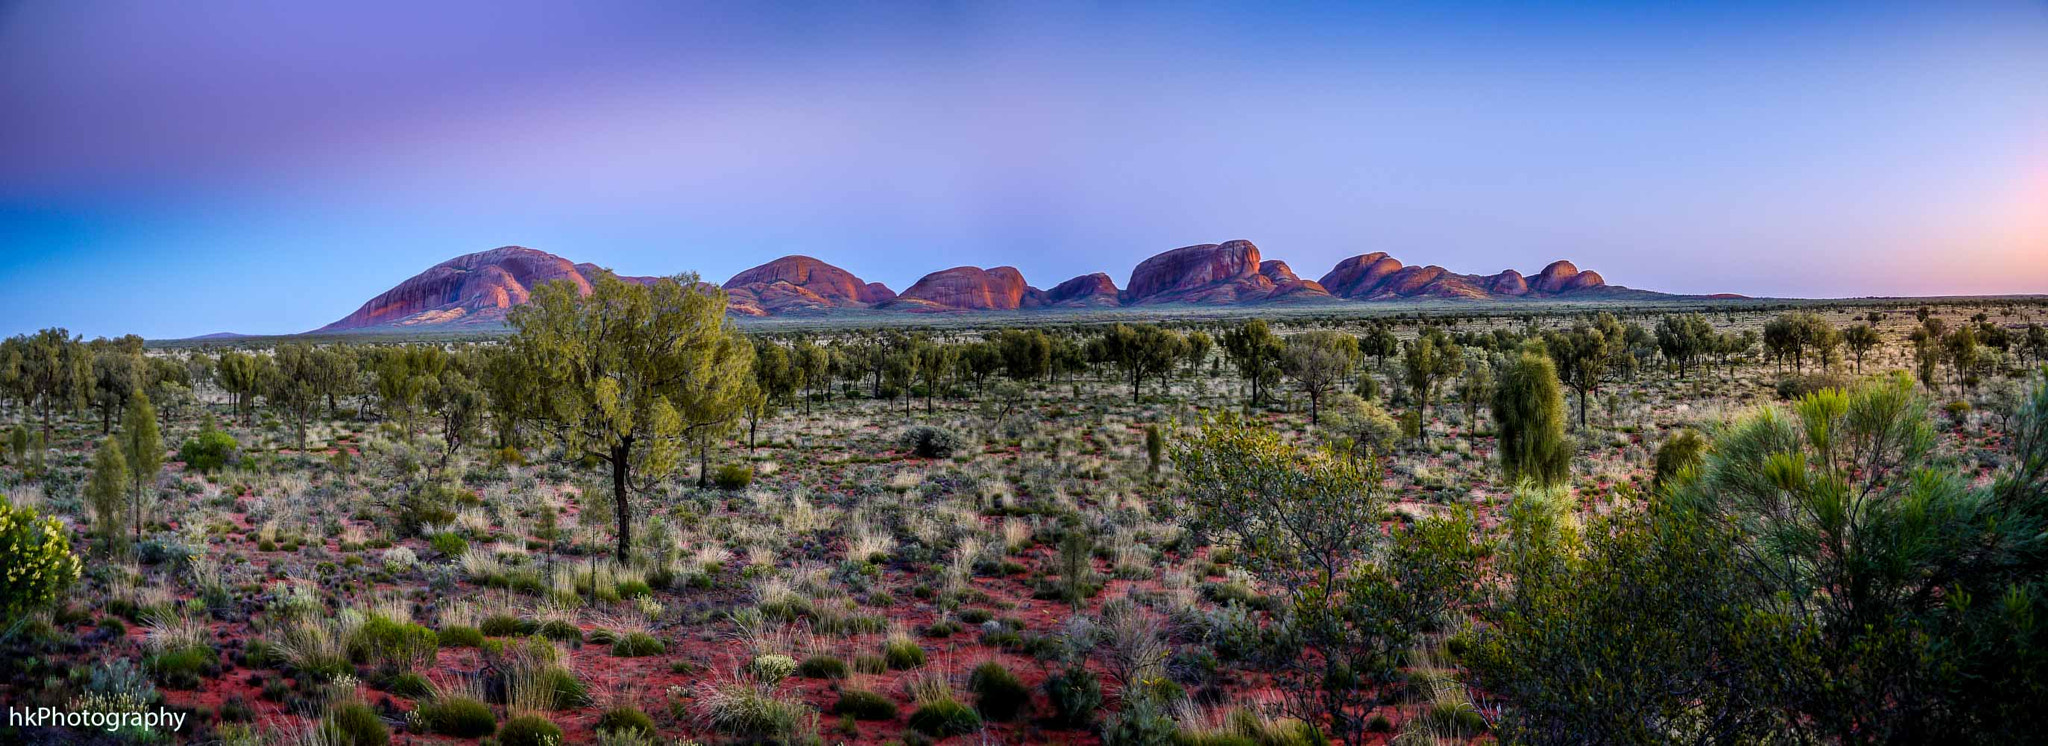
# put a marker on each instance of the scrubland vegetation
(629, 522)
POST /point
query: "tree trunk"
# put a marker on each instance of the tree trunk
(704, 461)
(619, 458)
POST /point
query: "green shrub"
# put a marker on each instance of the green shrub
(460, 717)
(627, 718)
(1142, 722)
(448, 544)
(636, 645)
(1075, 695)
(504, 625)
(822, 667)
(529, 730)
(903, 654)
(998, 693)
(208, 451)
(864, 705)
(401, 645)
(1798, 385)
(184, 668)
(926, 441)
(773, 667)
(944, 717)
(355, 724)
(460, 637)
(733, 477)
(409, 685)
(561, 630)
(36, 564)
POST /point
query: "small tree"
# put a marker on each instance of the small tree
(1310, 526)
(107, 490)
(1582, 356)
(1528, 410)
(1427, 361)
(632, 375)
(144, 448)
(1318, 361)
(1255, 351)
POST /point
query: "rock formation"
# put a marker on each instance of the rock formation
(1087, 291)
(970, 289)
(1206, 273)
(472, 288)
(480, 288)
(799, 284)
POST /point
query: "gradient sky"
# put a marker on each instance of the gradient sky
(179, 168)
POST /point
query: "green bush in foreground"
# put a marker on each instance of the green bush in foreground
(529, 730)
(36, 563)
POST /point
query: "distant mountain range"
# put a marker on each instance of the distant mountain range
(480, 288)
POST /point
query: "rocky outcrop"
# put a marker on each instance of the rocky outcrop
(800, 284)
(1509, 283)
(970, 289)
(1377, 276)
(1206, 273)
(481, 288)
(1087, 291)
(1359, 276)
(472, 288)
(1287, 285)
(1563, 277)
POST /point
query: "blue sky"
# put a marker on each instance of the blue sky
(174, 169)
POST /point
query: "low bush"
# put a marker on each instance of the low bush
(998, 693)
(1075, 695)
(627, 718)
(733, 477)
(460, 717)
(355, 724)
(529, 730)
(864, 705)
(637, 644)
(822, 667)
(940, 718)
(926, 441)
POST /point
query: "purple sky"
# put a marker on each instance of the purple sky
(180, 168)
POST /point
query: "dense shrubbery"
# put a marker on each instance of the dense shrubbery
(36, 562)
(926, 441)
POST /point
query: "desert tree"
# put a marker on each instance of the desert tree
(457, 402)
(106, 490)
(1026, 353)
(57, 369)
(404, 377)
(1379, 343)
(1582, 356)
(1318, 361)
(1683, 338)
(1861, 339)
(1475, 390)
(1353, 595)
(143, 446)
(932, 362)
(1199, 346)
(1362, 428)
(1141, 351)
(296, 389)
(508, 390)
(1529, 413)
(1428, 360)
(630, 375)
(1255, 351)
(813, 367)
(117, 373)
(241, 375)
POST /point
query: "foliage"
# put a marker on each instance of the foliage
(1076, 696)
(36, 564)
(632, 375)
(209, 451)
(461, 717)
(998, 693)
(944, 717)
(530, 730)
(1528, 410)
(354, 724)
(864, 705)
(926, 441)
